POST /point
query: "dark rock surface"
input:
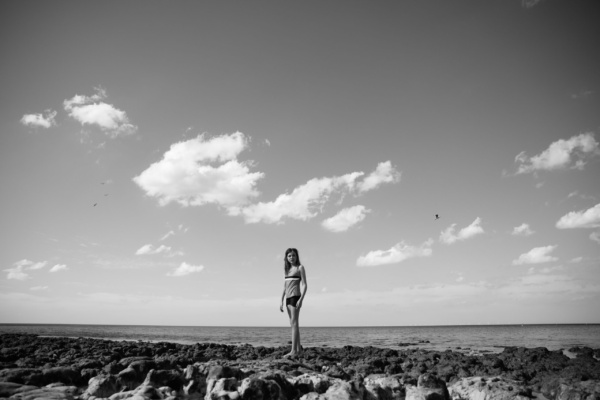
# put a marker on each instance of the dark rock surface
(33, 367)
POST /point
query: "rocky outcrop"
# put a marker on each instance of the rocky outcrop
(33, 367)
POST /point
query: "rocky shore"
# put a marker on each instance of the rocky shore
(33, 367)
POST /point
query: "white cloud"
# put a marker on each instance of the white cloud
(185, 174)
(28, 264)
(16, 273)
(522, 230)
(576, 260)
(58, 267)
(37, 265)
(589, 218)
(345, 219)
(45, 120)
(394, 255)
(18, 269)
(183, 228)
(595, 236)
(306, 201)
(185, 269)
(149, 249)
(166, 235)
(91, 110)
(448, 236)
(384, 173)
(537, 255)
(562, 154)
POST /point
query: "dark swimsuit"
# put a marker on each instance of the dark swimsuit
(292, 301)
(292, 290)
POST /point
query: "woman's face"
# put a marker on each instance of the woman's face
(291, 257)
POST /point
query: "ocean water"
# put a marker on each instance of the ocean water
(471, 338)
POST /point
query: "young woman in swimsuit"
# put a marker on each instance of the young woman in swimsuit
(294, 289)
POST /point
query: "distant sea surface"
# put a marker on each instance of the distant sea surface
(473, 338)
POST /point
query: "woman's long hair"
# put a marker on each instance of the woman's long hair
(286, 263)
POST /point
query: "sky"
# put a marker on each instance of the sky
(158, 158)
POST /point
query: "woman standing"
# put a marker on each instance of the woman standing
(294, 289)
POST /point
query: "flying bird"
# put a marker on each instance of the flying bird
(437, 216)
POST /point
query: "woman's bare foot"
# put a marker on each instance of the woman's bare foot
(290, 355)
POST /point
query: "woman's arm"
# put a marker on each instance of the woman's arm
(303, 286)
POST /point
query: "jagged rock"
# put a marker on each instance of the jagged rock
(7, 389)
(308, 383)
(429, 387)
(342, 390)
(170, 378)
(583, 390)
(384, 387)
(50, 392)
(477, 388)
(66, 375)
(336, 371)
(142, 392)
(101, 386)
(260, 389)
(130, 378)
(218, 388)
(18, 375)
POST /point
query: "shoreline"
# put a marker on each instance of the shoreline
(481, 339)
(89, 369)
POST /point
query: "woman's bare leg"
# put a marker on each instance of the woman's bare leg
(298, 348)
(294, 313)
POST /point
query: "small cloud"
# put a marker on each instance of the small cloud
(45, 120)
(595, 236)
(16, 273)
(268, 142)
(185, 269)
(536, 255)
(460, 279)
(39, 288)
(148, 249)
(562, 154)
(59, 267)
(384, 173)
(166, 235)
(92, 110)
(522, 230)
(324, 290)
(589, 218)
(37, 265)
(582, 196)
(18, 269)
(576, 260)
(345, 219)
(448, 236)
(395, 255)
